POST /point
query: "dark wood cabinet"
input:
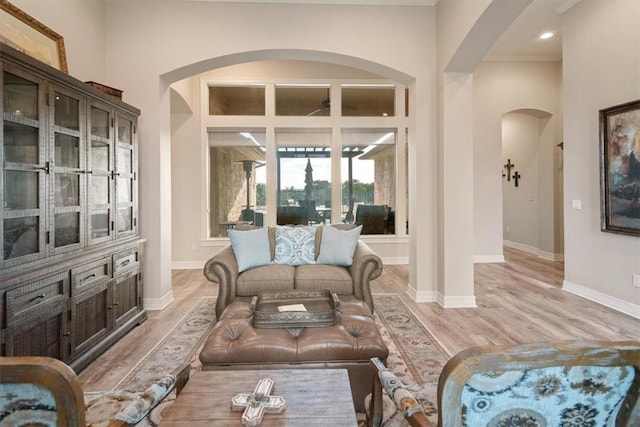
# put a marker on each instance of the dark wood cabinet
(70, 262)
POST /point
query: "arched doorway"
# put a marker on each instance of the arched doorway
(532, 184)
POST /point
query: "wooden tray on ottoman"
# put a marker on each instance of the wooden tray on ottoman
(294, 309)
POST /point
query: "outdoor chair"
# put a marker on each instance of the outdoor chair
(594, 383)
(291, 215)
(373, 218)
(44, 391)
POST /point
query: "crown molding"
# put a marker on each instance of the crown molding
(337, 2)
(516, 58)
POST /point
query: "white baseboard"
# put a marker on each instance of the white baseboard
(457, 302)
(153, 304)
(485, 259)
(187, 265)
(420, 296)
(533, 250)
(551, 256)
(622, 306)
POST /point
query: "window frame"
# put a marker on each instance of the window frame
(400, 123)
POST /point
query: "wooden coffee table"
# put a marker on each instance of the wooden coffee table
(314, 397)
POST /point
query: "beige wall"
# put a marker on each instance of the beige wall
(82, 29)
(121, 44)
(501, 88)
(601, 44)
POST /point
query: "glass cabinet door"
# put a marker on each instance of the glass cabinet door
(125, 175)
(68, 171)
(100, 163)
(25, 168)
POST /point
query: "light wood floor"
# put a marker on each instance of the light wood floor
(518, 301)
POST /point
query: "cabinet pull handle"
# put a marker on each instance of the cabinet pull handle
(40, 297)
(44, 168)
(91, 276)
(125, 262)
(66, 334)
(115, 303)
(109, 307)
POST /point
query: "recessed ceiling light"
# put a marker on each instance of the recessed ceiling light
(546, 35)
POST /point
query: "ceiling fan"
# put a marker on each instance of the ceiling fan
(324, 105)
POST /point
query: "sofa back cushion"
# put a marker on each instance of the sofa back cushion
(268, 278)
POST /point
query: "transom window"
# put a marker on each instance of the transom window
(304, 138)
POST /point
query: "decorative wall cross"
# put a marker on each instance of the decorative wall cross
(257, 403)
(509, 166)
(516, 177)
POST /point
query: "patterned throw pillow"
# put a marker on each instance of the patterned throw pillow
(295, 245)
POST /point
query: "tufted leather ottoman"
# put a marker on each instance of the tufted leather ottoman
(234, 344)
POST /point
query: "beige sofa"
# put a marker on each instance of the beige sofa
(352, 282)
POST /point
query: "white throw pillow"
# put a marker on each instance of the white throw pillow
(338, 246)
(251, 248)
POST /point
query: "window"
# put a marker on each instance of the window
(303, 100)
(236, 100)
(368, 179)
(368, 101)
(280, 167)
(304, 177)
(237, 179)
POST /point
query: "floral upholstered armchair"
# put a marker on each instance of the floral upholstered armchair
(571, 383)
(44, 391)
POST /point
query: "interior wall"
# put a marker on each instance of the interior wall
(601, 45)
(82, 27)
(502, 87)
(521, 204)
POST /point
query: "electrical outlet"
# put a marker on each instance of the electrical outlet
(636, 280)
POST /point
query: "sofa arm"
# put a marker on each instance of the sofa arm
(222, 268)
(366, 266)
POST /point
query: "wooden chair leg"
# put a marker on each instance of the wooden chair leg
(375, 404)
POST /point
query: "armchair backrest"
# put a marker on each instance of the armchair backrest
(41, 390)
(542, 384)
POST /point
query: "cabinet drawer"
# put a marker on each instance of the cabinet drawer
(26, 300)
(126, 260)
(89, 275)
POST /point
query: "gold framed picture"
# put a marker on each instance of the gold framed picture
(620, 168)
(30, 36)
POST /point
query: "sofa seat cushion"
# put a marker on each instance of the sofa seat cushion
(266, 278)
(315, 277)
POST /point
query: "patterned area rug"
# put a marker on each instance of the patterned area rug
(414, 354)
(180, 345)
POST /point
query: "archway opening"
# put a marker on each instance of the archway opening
(532, 184)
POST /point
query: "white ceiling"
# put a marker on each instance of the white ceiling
(519, 42)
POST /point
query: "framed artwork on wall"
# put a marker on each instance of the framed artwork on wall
(620, 168)
(30, 36)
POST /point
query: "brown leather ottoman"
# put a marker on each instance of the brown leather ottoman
(349, 344)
